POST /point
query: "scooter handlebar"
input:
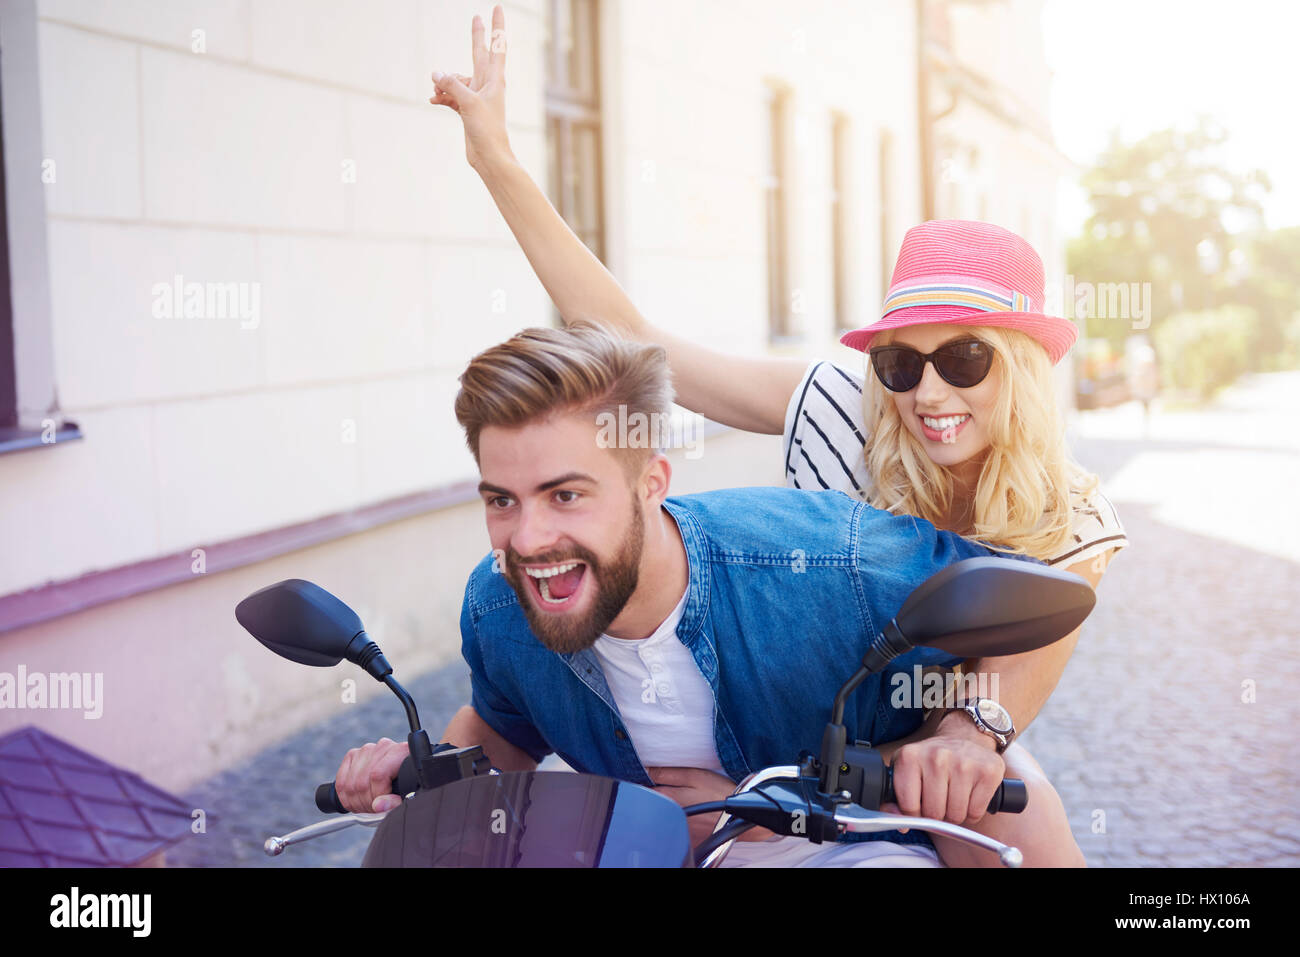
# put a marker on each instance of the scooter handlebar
(327, 798)
(1011, 797)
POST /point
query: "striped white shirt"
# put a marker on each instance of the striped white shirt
(825, 434)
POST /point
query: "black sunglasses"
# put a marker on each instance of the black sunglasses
(962, 363)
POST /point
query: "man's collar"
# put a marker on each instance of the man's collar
(697, 571)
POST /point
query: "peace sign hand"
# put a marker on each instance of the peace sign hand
(480, 100)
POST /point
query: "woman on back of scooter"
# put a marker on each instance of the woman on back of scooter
(957, 423)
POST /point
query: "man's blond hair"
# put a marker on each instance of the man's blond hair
(581, 370)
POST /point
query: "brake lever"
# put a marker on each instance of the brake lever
(275, 846)
(858, 820)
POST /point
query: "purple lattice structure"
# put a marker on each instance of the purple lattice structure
(63, 807)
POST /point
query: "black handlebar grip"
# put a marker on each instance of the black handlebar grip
(327, 798)
(1011, 797)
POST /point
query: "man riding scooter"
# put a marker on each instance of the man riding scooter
(682, 642)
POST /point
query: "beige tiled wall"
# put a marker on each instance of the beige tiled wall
(228, 166)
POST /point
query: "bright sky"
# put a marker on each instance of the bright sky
(1143, 65)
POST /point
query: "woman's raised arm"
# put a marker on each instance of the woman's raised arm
(748, 393)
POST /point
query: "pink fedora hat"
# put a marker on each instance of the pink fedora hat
(971, 274)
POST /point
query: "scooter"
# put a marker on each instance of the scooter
(458, 811)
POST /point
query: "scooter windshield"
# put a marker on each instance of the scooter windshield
(533, 819)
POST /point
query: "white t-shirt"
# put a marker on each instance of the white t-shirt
(667, 707)
(825, 432)
(666, 703)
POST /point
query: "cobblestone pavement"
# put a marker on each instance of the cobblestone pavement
(1151, 733)
(272, 793)
(1157, 758)
(1152, 737)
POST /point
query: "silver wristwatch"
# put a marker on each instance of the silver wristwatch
(990, 717)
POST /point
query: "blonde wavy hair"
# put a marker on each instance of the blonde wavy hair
(1029, 481)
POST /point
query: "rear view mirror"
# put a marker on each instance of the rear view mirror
(995, 606)
(302, 622)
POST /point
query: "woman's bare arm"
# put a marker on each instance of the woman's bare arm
(749, 393)
(1027, 680)
(947, 768)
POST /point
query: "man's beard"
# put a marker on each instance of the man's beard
(614, 582)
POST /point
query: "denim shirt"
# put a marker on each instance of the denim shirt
(786, 590)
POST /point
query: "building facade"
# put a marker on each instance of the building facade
(248, 260)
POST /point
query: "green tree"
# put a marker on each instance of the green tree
(1165, 211)
(1205, 351)
(1268, 281)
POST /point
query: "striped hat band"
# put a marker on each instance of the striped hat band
(948, 294)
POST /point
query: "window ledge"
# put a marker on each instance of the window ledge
(21, 440)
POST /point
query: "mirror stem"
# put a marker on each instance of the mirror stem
(888, 645)
(363, 651)
(418, 740)
(412, 716)
(422, 757)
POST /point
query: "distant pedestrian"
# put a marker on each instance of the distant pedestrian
(1143, 375)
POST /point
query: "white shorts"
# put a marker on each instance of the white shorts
(783, 851)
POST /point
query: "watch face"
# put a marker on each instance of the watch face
(994, 715)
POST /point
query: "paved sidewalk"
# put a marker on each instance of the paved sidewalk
(1158, 759)
(1147, 735)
